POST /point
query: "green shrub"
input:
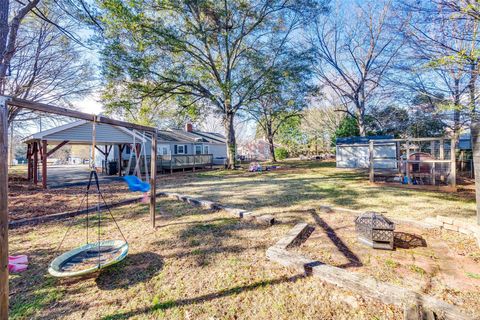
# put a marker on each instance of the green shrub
(281, 153)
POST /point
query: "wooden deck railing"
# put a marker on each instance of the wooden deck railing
(172, 162)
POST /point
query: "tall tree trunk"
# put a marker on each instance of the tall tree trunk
(271, 146)
(4, 9)
(472, 88)
(457, 108)
(361, 124)
(230, 141)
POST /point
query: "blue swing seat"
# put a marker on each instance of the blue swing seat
(136, 185)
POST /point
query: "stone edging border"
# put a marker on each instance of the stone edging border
(364, 285)
(207, 204)
(446, 223)
(452, 224)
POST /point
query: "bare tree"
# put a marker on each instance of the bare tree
(442, 61)
(8, 35)
(354, 56)
(211, 52)
(47, 66)
(319, 122)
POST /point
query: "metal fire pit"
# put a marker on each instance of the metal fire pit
(374, 230)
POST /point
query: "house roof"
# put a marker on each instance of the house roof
(190, 137)
(80, 132)
(213, 136)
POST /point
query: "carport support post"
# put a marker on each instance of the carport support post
(153, 177)
(35, 162)
(120, 150)
(370, 156)
(29, 161)
(44, 164)
(3, 209)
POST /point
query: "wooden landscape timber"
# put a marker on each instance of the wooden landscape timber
(5, 102)
(239, 213)
(363, 285)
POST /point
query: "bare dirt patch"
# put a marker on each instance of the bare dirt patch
(434, 262)
(27, 200)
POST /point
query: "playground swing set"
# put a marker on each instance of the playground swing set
(91, 256)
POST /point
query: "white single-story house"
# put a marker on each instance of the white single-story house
(184, 142)
(353, 152)
(175, 148)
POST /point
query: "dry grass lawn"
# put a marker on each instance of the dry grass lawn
(200, 264)
(299, 185)
(197, 264)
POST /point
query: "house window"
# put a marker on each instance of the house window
(205, 149)
(128, 150)
(198, 149)
(180, 149)
(164, 150)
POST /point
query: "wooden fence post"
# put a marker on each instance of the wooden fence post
(442, 157)
(433, 171)
(153, 178)
(4, 292)
(407, 163)
(453, 165)
(370, 156)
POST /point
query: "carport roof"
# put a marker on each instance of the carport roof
(80, 132)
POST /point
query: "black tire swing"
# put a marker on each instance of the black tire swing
(92, 256)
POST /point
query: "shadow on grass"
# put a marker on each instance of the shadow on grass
(405, 240)
(165, 305)
(136, 268)
(320, 181)
(353, 259)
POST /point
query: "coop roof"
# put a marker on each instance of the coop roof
(361, 140)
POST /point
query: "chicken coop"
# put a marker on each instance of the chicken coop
(418, 161)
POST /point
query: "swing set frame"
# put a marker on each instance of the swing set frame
(5, 102)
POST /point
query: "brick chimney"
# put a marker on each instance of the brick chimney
(189, 127)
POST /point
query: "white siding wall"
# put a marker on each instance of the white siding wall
(104, 133)
(218, 150)
(356, 156)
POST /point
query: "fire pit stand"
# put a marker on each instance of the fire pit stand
(375, 230)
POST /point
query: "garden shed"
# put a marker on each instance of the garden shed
(353, 152)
